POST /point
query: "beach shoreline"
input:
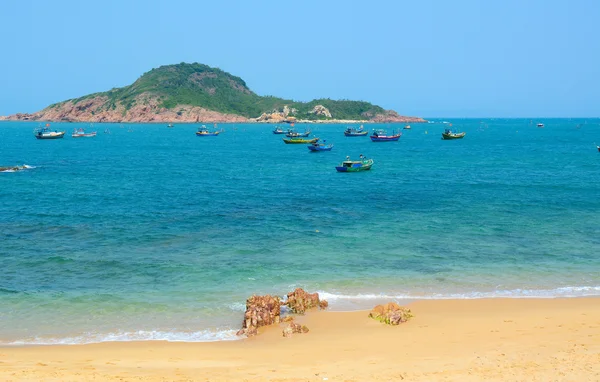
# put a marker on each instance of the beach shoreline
(486, 339)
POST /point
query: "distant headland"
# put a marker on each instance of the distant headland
(199, 93)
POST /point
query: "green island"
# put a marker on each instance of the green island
(200, 93)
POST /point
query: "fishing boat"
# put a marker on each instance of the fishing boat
(45, 133)
(279, 130)
(598, 147)
(295, 134)
(352, 132)
(170, 125)
(407, 127)
(204, 132)
(381, 136)
(80, 133)
(449, 134)
(540, 125)
(297, 140)
(318, 146)
(363, 164)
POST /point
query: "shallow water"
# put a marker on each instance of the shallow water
(154, 233)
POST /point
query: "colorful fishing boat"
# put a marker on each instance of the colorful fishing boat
(297, 140)
(363, 164)
(318, 146)
(204, 132)
(449, 134)
(352, 132)
(46, 133)
(279, 130)
(381, 136)
(80, 133)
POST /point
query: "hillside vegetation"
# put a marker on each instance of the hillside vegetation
(213, 89)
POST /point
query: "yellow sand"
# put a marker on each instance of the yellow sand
(454, 340)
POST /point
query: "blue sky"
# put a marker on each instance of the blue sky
(461, 58)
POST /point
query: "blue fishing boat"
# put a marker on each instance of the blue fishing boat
(382, 136)
(279, 130)
(318, 146)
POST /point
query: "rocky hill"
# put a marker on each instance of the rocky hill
(199, 93)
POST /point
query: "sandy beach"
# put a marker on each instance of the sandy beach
(447, 340)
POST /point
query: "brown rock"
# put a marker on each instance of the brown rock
(391, 313)
(260, 311)
(299, 301)
(294, 328)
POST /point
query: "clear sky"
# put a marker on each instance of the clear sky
(459, 58)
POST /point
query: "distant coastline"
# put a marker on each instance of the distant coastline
(249, 121)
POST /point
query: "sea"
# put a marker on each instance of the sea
(146, 232)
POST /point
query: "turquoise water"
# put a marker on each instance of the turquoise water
(154, 233)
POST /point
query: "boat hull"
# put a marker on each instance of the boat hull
(446, 136)
(198, 134)
(299, 141)
(88, 135)
(51, 136)
(359, 134)
(390, 138)
(297, 135)
(320, 148)
(355, 166)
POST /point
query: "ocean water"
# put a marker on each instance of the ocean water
(154, 233)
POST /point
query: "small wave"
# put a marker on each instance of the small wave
(8, 291)
(59, 259)
(570, 291)
(237, 306)
(141, 335)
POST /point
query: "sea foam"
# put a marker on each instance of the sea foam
(569, 291)
(123, 336)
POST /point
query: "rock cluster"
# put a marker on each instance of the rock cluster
(11, 169)
(320, 110)
(299, 301)
(266, 310)
(391, 116)
(277, 116)
(294, 328)
(391, 313)
(260, 311)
